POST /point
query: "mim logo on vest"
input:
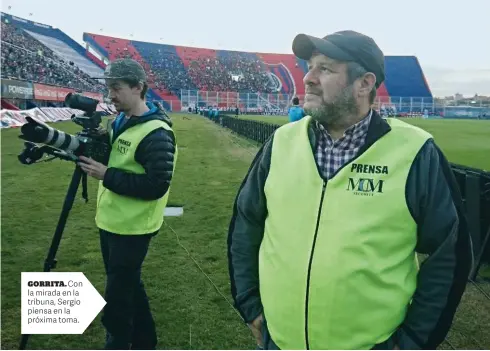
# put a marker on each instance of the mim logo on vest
(366, 186)
(123, 146)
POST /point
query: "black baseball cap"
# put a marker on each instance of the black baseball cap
(124, 69)
(346, 45)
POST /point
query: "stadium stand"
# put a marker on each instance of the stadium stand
(407, 81)
(27, 58)
(238, 76)
(406, 77)
(59, 42)
(220, 70)
(166, 67)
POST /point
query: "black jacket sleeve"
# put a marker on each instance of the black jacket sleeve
(156, 154)
(245, 236)
(435, 202)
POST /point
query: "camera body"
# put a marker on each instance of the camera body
(92, 142)
(95, 145)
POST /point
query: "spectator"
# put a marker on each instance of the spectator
(296, 112)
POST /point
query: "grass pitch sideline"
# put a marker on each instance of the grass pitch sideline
(189, 313)
(465, 142)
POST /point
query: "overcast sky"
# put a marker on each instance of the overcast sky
(450, 39)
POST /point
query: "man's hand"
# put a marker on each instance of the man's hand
(256, 327)
(92, 168)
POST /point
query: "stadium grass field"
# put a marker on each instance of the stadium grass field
(464, 142)
(189, 311)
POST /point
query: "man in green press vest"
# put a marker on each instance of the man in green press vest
(133, 192)
(335, 207)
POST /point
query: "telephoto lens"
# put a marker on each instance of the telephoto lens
(39, 132)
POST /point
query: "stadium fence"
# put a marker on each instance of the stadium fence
(19, 92)
(278, 103)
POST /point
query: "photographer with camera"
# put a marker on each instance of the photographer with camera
(133, 192)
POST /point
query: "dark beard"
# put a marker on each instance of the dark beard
(331, 113)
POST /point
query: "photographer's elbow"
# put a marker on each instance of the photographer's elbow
(152, 190)
(160, 192)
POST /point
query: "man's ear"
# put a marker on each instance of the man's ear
(140, 87)
(367, 83)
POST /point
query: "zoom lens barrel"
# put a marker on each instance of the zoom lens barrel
(80, 102)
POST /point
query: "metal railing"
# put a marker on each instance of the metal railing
(278, 103)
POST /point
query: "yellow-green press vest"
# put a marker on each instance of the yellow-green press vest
(123, 214)
(337, 263)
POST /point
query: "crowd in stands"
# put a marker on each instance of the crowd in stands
(232, 72)
(24, 57)
(168, 72)
(119, 54)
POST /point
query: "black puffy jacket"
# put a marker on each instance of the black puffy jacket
(155, 153)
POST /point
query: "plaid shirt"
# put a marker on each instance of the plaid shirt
(331, 155)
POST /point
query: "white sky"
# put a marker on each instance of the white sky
(450, 39)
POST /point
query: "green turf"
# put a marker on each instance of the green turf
(189, 312)
(464, 142)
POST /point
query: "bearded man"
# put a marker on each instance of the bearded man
(328, 223)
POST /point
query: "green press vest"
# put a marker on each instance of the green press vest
(337, 263)
(123, 214)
